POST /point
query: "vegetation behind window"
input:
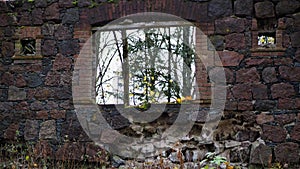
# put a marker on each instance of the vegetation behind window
(148, 65)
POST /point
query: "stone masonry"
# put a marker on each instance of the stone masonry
(261, 120)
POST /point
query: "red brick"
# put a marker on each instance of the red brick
(247, 75)
(282, 90)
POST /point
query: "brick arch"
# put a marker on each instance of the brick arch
(192, 11)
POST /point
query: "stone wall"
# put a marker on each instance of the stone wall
(261, 117)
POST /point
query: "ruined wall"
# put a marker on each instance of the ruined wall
(261, 117)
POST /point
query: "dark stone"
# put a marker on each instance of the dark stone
(67, 105)
(40, 3)
(245, 105)
(48, 130)
(295, 39)
(242, 91)
(284, 119)
(287, 153)
(42, 115)
(264, 118)
(273, 133)
(118, 122)
(52, 12)
(71, 128)
(49, 48)
(269, 75)
(25, 18)
(258, 62)
(83, 3)
(58, 114)
(239, 154)
(36, 105)
(3, 95)
(229, 25)
(286, 103)
(4, 7)
(264, 9)
(5, 107)
(37, 16)
(43, 94)
(295, 134)
(219, 8)
(243, 7)
(66, 3)
(259, 91)
(71, 16)
(31, 129)
(261, 154)
(52, 78)
(51, 105)
(264, 105)
(282, 90)
(63, 32)
(287, 7)
(62, 63)
(7, 49)
(247, 75)
(20, 81)
(63, 93)
(7, 79)
(15, 93)
(290, 73)
(218, 42)
(48, 29)
(11, 132)
(235, 41)
(33, 80)
(247, 135)
(297, 55)
(68, 47)
(230, 58)
(247, 117)
(4, 21)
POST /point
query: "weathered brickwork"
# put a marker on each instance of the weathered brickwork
(261, 120)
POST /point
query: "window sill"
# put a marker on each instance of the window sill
(277, 51)
(27, 57)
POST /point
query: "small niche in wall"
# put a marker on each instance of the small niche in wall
(266, 40)
(28, 47)
(28, 43)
